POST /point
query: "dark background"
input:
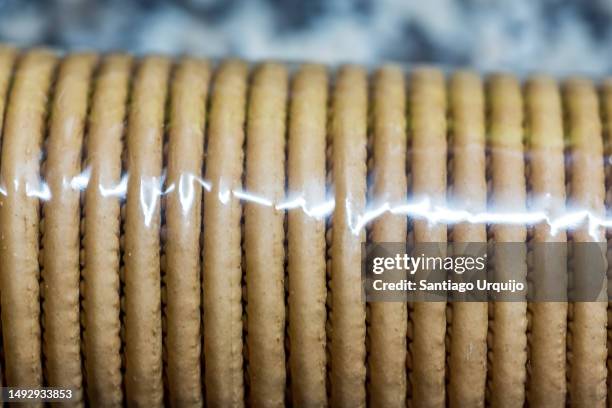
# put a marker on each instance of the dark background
(520, 35)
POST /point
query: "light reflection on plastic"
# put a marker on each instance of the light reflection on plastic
(243, 195)
(42, 193)
(350, 217)
(150, 192)
(423, 209)
(205, 184)
(318, 211)
(370, 216)
(568, 220)
(186, 192)
(81, 181)
(119, 190)
(224, 196)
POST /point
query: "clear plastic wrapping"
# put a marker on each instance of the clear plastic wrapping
(189, 232)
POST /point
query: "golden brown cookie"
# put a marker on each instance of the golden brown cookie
(508, 326)
(265, 235)
(187, 117)
(61, 272)
(348, 130)
(101, 233)
(8, 57)
(142, 241)
(547, 344)
(427, 106)
(606, 95)
(222, 253)
(468, 340)
(587, 385)
(306, 236)
(19, 215)
(388, 320)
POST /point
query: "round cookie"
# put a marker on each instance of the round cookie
(101, 221)
(606, 95)
(265, 235)
(427, 107)
(61, 236)
(348, 131)
(143, 327)
(19, 215)
(468, 341)
(222, 251)
(388, 320)
(306, 236)
(8, 57)
(587, 385)
(183, 205)
(547, 344)
(508, 327)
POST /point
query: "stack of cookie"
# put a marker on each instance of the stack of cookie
(185, 233)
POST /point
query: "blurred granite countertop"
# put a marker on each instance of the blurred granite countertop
(518, 35)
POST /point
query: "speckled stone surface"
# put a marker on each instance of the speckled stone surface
(519, 35)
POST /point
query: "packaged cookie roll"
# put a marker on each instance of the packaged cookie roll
(177, 231)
